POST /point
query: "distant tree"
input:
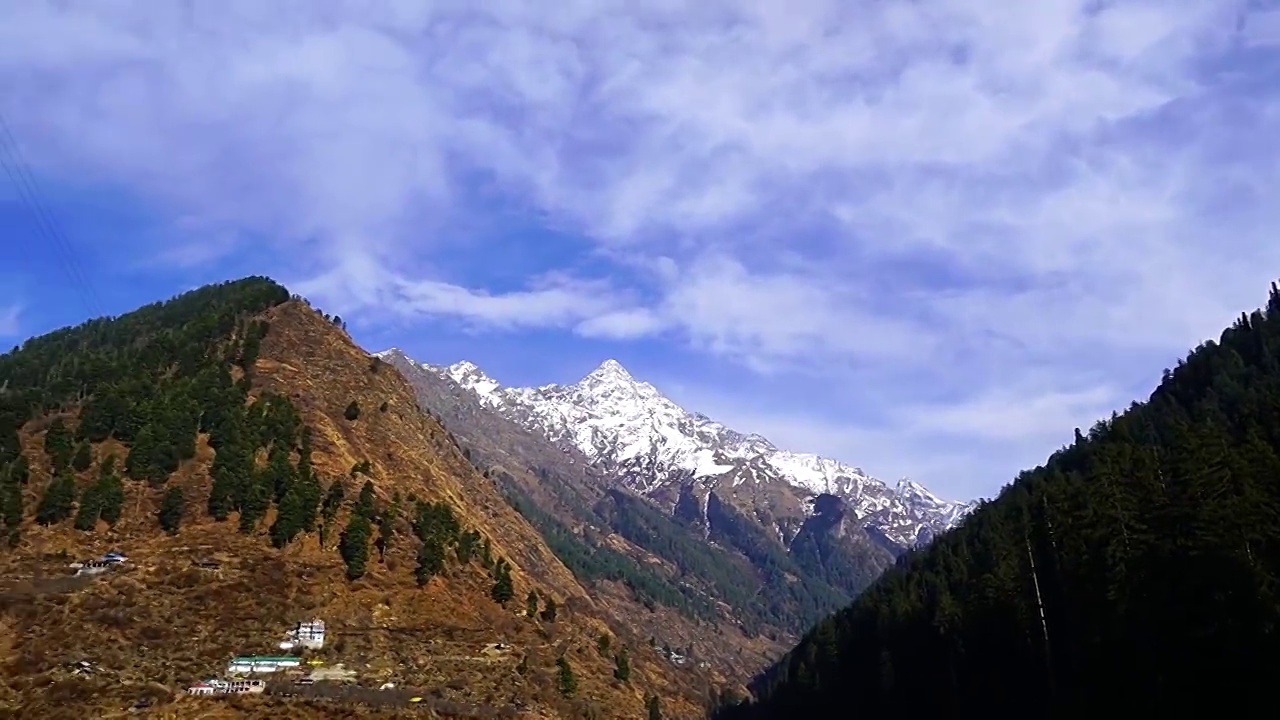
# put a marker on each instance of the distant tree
(531, 604)
(352, 412)
(11, 505)
(88, 510)
(109, 491)
(365, 501)
(566, 681)
(353, 545)
(83, 457)
(430, 561)
(622, 666)
(329, 508)
(384, 406)
(549, 612)
(502, 590)
(386, 530)
(171, 508)
(602, 644)
(58, 445)
(58, 499)
(653, 707)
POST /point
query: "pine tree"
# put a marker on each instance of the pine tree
(386, 529)
(89, 509)
(430, 561)
(365, 501)
(549, 612)
(171, 509)
(83, 457)
(256, 501)
(566, 681)
(602, 644)
(622, 666)
(353, 545)
(502, 590)
(58, 499)
(531, 604)
(58, 445)
(109, 491)
(653, 707)
(352, 412)
(329, 508)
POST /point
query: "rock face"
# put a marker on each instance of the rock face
(645, 442)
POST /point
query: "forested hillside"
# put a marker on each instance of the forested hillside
(258, 468)
(1136, 570)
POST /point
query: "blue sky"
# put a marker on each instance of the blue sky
(926, 238)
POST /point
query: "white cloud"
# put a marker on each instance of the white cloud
(1018, 207)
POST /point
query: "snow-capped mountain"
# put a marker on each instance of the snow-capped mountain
(629, 429)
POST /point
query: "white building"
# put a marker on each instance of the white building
(310, 635)
(261, 664)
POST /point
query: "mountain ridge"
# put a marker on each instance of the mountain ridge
(628, 427)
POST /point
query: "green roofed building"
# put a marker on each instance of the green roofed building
(261, 663)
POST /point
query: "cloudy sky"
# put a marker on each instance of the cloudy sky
(928, 238)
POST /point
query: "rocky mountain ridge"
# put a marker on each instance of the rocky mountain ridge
(630, 430)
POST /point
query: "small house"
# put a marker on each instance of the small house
(247, 686)
(201, 689)
(115, 556)
(310, 635)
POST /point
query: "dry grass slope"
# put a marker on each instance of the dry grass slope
(159, 623)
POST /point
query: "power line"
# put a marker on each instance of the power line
(46, 224)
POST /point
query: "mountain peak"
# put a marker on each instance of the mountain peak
(465, 367)
(611, 369)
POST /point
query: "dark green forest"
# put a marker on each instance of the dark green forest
(1136, 571)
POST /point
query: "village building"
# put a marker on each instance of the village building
(261, 664)
(310, 635)
(201, 689)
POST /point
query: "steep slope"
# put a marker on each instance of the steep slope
(587, 502)
(1135, 572)
(255, 408)
(580, 512)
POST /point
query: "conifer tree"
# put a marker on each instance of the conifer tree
(353, 545)
(58, 499)
(430, 561)
(622, 666)
(109, 489)
(566, 681)
(171, 508)
(58, 445)
(88, 509)
(502, 590)
(83, 457)
(653, 708)
(531, 604)
(549, 612)
(352, 412)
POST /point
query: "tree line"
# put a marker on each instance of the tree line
(1137, 570)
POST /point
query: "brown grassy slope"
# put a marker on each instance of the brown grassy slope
(159, 624)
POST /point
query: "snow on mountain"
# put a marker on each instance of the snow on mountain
(630, 429)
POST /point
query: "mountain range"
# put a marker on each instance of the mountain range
(695, 533)
(634, 433)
